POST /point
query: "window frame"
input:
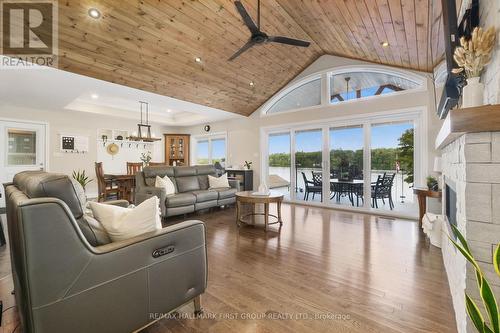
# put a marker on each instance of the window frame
(418, 78)
(207, 137)
(416, 115)
(295, 87)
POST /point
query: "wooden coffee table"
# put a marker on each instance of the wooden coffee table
(246, 197)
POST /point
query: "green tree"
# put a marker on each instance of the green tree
(405, 151)
(279, 160)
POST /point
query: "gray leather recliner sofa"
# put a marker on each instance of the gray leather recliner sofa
(192, 189)
(65, 282)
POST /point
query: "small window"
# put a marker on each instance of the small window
(21, 147)
(202, 152)
(306, 95)
(356, 85)
(211, 150)
(219, 151)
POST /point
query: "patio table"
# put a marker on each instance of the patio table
(346, 187)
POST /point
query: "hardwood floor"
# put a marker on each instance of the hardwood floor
(326, 271)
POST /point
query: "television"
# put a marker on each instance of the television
(452, 32)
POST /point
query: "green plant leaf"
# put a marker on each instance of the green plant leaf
(490, 303)
(467, 256)
(461, 238)
(496, 259)
(487, 329)
(474, 314)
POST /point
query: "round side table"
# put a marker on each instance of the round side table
(246, 197)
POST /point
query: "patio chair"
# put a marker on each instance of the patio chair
(317, 178)
(383, 190)
(311, 187)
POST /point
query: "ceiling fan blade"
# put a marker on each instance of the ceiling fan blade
(288, 41)
(245, 47)
(246, 17)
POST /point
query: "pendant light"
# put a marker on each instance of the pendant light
(144, 107)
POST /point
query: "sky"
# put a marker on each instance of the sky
(218, 149)
(383, 136)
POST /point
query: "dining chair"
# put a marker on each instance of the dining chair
(310, 187)
(133, 167)
(383, 190)
(105, 187)
(317, 178)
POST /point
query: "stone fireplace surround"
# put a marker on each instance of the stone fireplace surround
(471, 165)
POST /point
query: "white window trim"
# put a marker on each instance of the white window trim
(418, 117)
(325, 75)
(209, 137)
(47, 136)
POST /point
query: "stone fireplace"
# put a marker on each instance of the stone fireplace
(471, 200)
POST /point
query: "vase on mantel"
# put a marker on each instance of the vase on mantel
(472, 94)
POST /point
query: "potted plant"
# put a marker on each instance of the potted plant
(485, 291)
(81, 177)
(248, 165)
(432, 183)
(146, 158)
(471, 57)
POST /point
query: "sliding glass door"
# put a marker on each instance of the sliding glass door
(346, 165)
(279, 163)
(367, 164)
(309, 165)
(392, 166)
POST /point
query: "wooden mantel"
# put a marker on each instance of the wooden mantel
(484, 118)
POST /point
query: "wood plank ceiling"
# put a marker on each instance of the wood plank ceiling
(152, 44)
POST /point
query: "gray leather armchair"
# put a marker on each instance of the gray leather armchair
(63, 283)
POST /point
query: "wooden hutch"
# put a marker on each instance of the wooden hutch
(177, 149)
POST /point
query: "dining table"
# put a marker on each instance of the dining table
(346, 188)
(126, 184)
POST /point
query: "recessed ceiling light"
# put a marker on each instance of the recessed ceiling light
(94, 96)
(385, 44)
(168, 110)
(197, 59)
(251, 84)
(94, 13)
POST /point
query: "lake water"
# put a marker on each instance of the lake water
(399, 187)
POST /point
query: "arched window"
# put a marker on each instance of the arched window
(355, 85)
(440, 74)
(347, 83)
(305, 95)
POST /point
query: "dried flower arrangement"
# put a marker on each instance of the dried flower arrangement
(475, 53)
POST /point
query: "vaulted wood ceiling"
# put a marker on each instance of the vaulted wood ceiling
(151, 44)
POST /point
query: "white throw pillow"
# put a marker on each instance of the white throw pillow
(218, 182)
(165, 183)
(124, 223)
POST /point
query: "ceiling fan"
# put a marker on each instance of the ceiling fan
(259, 37)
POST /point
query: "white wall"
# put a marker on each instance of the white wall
(490, 16)
(84, 124)
(244, 134)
